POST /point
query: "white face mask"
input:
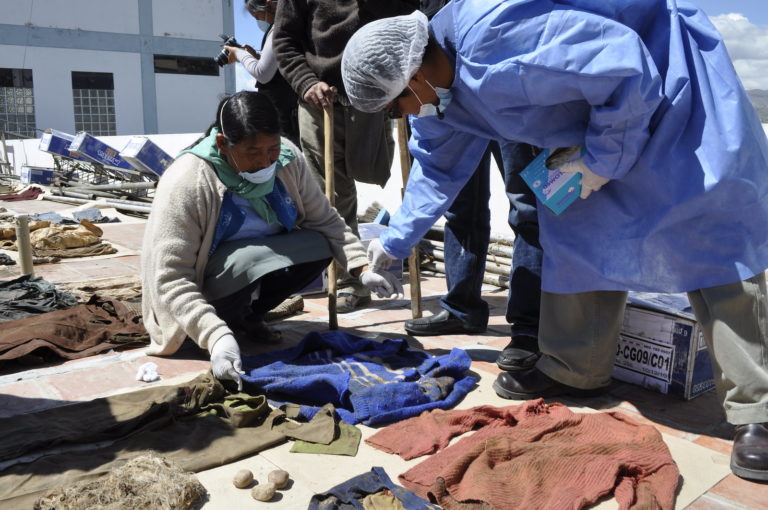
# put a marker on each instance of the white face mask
(260, 176)
(428, 109)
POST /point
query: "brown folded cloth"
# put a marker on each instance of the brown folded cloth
(76, 332)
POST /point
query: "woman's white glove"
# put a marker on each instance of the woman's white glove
(590, 181)
(225, 360)
(382, 283)
(378, 258)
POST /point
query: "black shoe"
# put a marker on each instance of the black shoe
(521, 353)
(254, 329)
(442, 323)
(749, 458)
(536, 384)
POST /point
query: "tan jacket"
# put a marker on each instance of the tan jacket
(179, 235)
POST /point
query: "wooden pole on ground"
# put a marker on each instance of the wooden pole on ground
(414, 273)
(24, 245)
(333, 322)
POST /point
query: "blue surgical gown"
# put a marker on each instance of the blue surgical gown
(647, 87)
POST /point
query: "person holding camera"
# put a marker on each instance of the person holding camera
(263, 67)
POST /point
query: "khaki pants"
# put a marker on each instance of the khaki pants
(579, 332)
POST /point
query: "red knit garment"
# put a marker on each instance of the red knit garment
(534, 455)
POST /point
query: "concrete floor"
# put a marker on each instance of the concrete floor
(695, 431)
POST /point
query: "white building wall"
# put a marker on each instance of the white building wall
(52, 79)
(169, 20)
(184, 102)
(119, 16)
(187, 104)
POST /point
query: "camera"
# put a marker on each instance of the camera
(223, 57)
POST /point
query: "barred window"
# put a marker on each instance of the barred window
(17, 102)
(94, 102)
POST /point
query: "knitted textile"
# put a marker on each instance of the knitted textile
(367, 381)
(534, 455)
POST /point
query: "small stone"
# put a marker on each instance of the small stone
(263, 492)
(279, 478)
(242, 479)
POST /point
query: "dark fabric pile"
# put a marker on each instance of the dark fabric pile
(369, 491)
(25, 296)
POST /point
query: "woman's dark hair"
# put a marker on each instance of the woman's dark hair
(245, 114)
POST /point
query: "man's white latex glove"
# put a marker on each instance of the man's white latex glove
(225, 360)
(384, 284)
(378, 258)
(590, 181)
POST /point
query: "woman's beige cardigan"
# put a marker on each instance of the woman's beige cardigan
(179, 234)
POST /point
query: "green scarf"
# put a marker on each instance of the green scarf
(254, 193)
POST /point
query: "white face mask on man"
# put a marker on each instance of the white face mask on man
(428, 109)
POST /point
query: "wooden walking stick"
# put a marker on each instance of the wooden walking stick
(333, 322)
(414, 273)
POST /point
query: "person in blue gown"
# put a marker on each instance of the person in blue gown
(674, 173)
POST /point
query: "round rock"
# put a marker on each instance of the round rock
(279, 478)
(242, 479)
(263, 492)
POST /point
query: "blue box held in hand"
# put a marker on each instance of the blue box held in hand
(144, 155)
(555, 189)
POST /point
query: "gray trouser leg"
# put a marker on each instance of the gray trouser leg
(734, 320)
(578, 335)
(313, 147)
(345, 196)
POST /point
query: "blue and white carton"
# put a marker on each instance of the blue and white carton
(661, 346)
(97, 151)
(555, 189)
(58, 142)
(144, 155)
(37, 175)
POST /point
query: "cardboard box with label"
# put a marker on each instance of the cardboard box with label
(93, 149)
(36, 175)
(661, 346)
(144, 155)
(57, 142)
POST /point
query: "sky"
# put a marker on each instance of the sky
(248, 32)
(743, 24)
